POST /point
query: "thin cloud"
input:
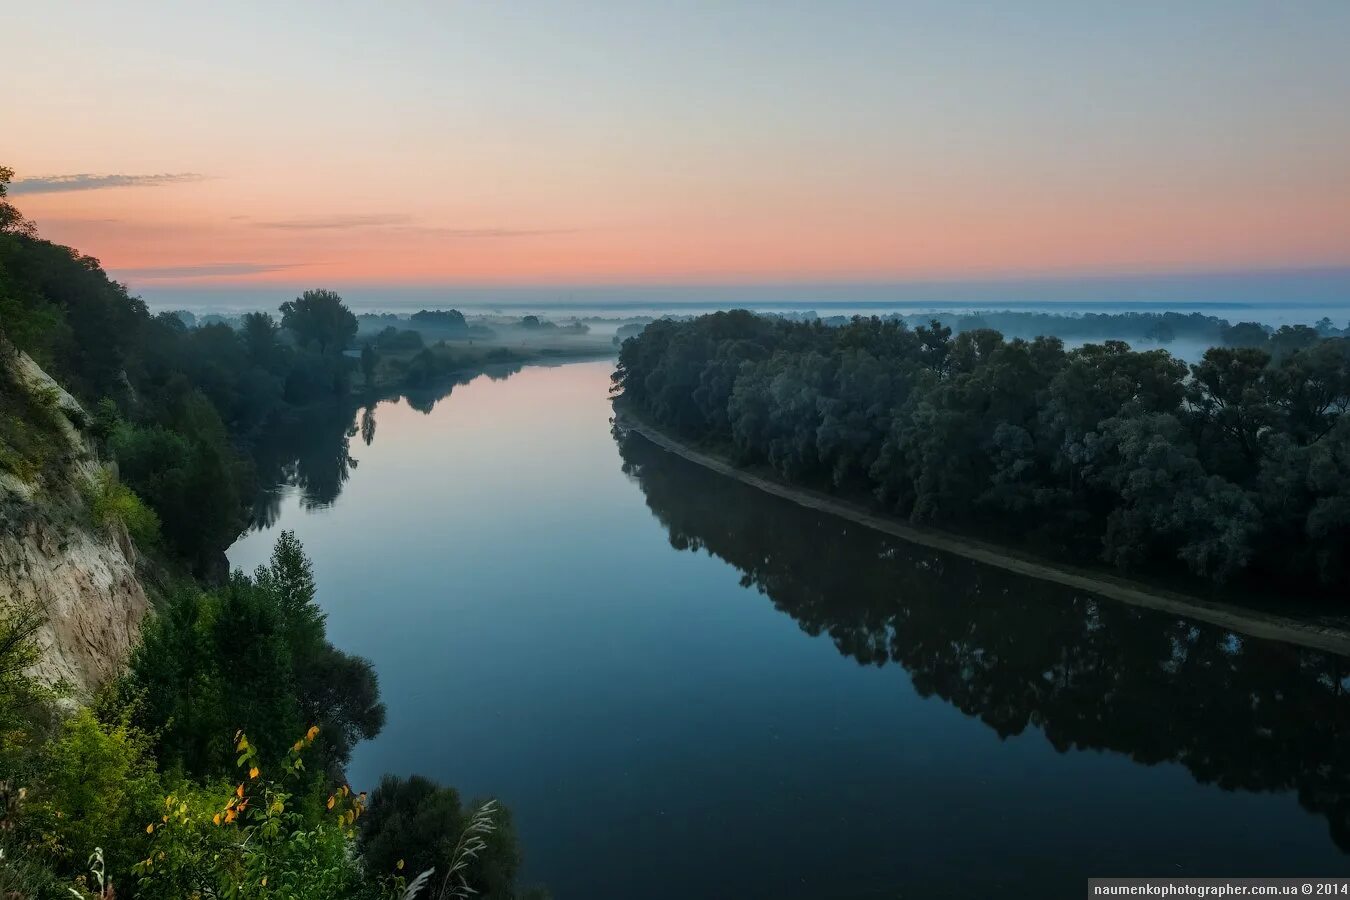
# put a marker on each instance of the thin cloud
(332, 223)
(485, 232)
(55, 184)
(398, 224)
(204, 270)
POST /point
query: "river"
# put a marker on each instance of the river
(682, 686)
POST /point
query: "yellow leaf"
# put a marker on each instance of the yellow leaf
(313, 731)
(331, 801)
(239, 791)
(253, 772)
(264, 881)
(399, 865)
(150, 829)
(215, 820)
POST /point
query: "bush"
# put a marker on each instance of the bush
(113, 503)
(96, 787)
(31, 433)
(23, 699)
(249, 838)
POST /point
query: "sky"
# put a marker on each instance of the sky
(245, 145)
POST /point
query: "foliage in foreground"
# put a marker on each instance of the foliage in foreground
(186, 778)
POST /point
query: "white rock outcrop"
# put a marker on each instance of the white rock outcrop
(52, 556)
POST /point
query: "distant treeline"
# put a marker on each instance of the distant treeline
(1159, 328)
(1236, 466)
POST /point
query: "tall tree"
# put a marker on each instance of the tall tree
(368, 362)
(319, 317)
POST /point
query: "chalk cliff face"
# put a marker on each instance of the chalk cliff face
(53, 555)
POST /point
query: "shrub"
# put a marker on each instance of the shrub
(23, 699)
(96, 786)
(113, 503)
(249, 839)
(31, 437)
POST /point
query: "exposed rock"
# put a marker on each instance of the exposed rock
(53, 556)
(86, 584)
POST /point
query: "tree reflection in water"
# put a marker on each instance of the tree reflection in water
(1015, 652)
(311, 450)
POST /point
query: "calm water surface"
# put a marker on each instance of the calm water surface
(684, 687)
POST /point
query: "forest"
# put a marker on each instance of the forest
(213, 766)
(1233, 470)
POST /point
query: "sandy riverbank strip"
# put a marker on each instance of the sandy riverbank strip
(1254, 623)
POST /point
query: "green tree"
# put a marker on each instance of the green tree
(420, 823)
(260, 339)
(319, 317)
(369, 360)
(96, 786)
(11, 220)
(252, 654)
(1245, 334)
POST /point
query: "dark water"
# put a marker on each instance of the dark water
(684, 687)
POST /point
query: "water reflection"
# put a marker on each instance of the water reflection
(1015, 653)
(310, 451)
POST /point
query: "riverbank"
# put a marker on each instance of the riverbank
(1320, 635)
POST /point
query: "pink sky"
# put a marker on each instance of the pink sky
(595, 143)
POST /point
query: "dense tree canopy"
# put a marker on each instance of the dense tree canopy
(449, 319)
(251, 655)
(178, 405)
(1230, 466)
(319, 317)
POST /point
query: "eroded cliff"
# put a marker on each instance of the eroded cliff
(54, 555)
